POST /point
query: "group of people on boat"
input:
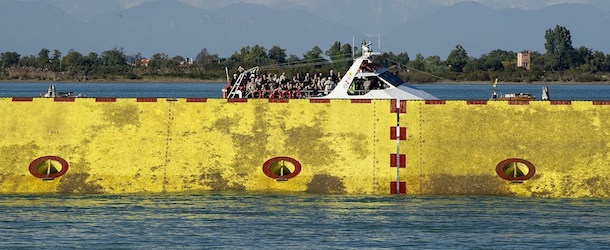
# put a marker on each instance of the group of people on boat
(256, 85)
(363, 80)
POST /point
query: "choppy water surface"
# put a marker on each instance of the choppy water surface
(300, 221)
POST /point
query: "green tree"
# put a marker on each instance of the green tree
(73, 62)
(160, 61)
(253, 55)
(402, 58)
(29, 61)
(314, 55)
(292, 58)
(582, 59)
(113, 57)
(111, 63)
(501, 55)
(56, 60)
(559, 48)
(334, 52)
(457, 59)
(9, 59)
(474, 65)
(43, 58)
(391, 59)
(600, 62)
(346, 49)
(277, 54)
(434, 64)
(419, 63)
(91, 62)
(340, 55)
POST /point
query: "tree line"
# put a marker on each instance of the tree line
(560, 62)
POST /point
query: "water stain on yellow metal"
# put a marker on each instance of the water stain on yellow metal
(343, 147)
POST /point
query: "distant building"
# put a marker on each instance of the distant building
(523, 60)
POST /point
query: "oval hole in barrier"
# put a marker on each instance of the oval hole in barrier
(281, 168)
(48, 167)
(515, 169)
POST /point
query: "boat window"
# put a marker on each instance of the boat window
(362, 85)
(391, 78)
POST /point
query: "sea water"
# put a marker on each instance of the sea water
(212, 220)
(214, 90)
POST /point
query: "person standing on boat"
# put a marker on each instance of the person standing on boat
(494, 96)
(250, 86)
(367, 85)
(328, 85)
(333, 76)
(545, 93)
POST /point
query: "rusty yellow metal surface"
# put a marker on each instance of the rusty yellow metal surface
(458, 145)
(343, 147)
(175, 146)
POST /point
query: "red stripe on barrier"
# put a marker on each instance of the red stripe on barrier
(64, 99)
(476, 102)
(105, 99)
(518, 102)
(234, 100)
(561, 102)
(361, 100)
(403, 133)
(402, 187)
(601, 102)
(403, 160)
(147, 99)
(403, 106)
(435, 102)
(319, 100)
(196, 99)
(278, 100)
(22, 99)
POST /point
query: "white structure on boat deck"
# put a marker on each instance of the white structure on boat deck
(364, 80)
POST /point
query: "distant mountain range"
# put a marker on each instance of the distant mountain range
(178, 28)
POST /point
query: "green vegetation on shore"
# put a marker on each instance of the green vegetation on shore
(560, 63)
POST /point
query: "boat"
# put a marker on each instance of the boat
(363, 80)
(517, 97)
(52, 92)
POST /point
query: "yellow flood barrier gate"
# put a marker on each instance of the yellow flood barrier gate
(129, 145)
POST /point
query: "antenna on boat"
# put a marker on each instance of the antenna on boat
(353, 47)
(379, 41)
(227, 72)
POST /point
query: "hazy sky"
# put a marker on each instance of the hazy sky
(402, 25)
(525, 4)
